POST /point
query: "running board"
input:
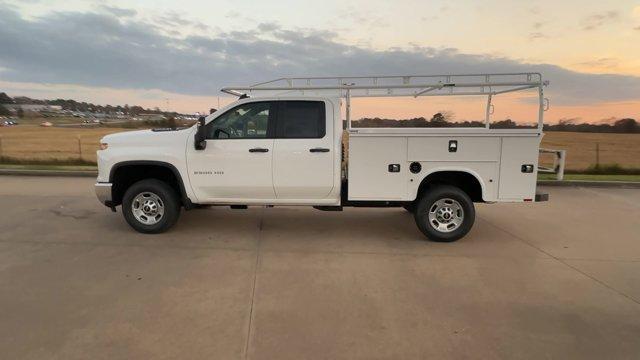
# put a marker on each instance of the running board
(328, 208)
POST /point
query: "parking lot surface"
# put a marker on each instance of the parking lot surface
(551, 280)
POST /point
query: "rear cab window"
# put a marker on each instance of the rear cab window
(301, 120)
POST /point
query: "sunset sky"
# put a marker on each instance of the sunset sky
(176, 55)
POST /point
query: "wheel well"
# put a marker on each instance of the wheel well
(460, 179)
(123, 176)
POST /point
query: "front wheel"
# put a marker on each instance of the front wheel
(150, 206)
(444, 213)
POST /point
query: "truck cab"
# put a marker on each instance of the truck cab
(287, 148)
(269, 151)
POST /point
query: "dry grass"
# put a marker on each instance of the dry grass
(622, 149)
(34, 142)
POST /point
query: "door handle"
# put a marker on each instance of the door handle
(258, 150)
(319, 150)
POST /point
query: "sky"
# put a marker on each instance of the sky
(176, 55)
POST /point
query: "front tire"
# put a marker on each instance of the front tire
(150, 206)
(444, 213)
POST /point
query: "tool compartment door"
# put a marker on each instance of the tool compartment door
(515, 183)
(370, 175)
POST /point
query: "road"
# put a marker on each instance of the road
(550, 280)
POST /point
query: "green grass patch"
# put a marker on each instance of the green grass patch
(49, 167)
(592, 177)
(606, 169)
(5, 160)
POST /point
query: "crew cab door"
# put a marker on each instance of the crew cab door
(303, 157)
(237, 162)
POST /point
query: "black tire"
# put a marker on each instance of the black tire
(410, 207)
(427, 204)
(168, 199)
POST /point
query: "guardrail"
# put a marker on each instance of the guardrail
(558, 163)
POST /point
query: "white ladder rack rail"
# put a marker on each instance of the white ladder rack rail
(348, 87)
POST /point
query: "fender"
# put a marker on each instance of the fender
(188, 204)
(414, 191)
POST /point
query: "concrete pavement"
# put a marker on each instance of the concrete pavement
(550, 280)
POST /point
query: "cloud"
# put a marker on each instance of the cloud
(118, 11)
(606, 62)
(105, 50)
(597, 20)
(537, 36)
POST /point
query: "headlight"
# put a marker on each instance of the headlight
(104, 146)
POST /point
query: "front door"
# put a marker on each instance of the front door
(304, 153)
(237, 162)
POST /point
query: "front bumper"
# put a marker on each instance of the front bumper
(103, 192)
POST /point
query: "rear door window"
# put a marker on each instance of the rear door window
(301, 120)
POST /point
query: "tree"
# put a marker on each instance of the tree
(172, 123)
(4, 111)
(626, 125)
(5, 99)
(438, 120)
(20, 113)
(505, 124)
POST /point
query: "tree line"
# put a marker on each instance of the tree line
(77, 106)
(442, 120)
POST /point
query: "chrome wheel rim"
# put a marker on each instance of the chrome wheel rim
(147, 208)
(446, 215)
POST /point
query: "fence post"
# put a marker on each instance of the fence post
(0, 146)
(562, 154)
(79, 147)
(597, 155)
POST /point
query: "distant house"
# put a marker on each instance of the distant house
(150, 117)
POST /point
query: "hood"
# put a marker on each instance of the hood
(141, 137)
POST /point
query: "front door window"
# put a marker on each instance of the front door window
(246, 121)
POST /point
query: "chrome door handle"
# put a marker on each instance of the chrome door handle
(258, 150)
(319, 150)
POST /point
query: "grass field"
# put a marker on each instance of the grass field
(35, 142)
(622, 149)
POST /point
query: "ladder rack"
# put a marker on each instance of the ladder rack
(400, 85)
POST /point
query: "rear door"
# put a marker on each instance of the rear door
(303, 156)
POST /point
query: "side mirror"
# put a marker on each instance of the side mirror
(200, 140)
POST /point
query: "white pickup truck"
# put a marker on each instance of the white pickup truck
(281, 143)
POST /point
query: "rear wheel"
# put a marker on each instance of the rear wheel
(150, 206)
(444, 213)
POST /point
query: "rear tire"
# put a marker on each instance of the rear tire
(444, 213)
(150, 206)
